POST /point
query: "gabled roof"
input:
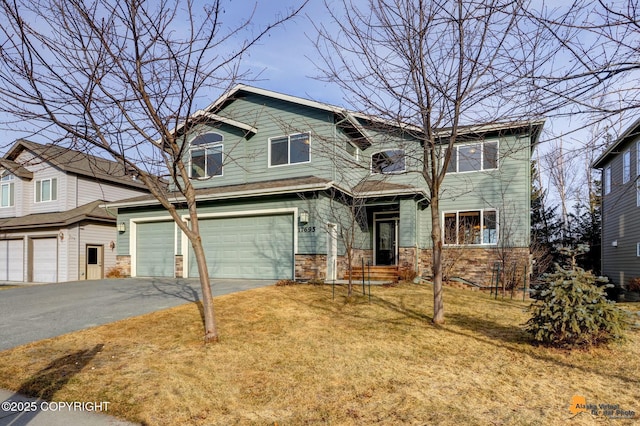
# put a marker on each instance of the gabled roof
(352, 127)
(91, 211)
(71, 161)
(630, 134)
(16, 169)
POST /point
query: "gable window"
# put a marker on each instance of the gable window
(292, 149)
(206, 156)
(470, 227)
(607, 180)
(6, 191)
(46, 190)
(474, 157)
(626, 166)
(391, 161)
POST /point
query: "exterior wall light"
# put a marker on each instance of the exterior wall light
(304, 217)
(614, 243)
(122, 227)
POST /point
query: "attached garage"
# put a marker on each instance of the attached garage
(12, 260)
(252, 247)
(44, 266)
(155, 249)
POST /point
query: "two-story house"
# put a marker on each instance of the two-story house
(620, 207)
(280, 178)
(52, 227)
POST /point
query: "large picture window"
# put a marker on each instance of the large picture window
(206, 156)
(292, 149)
(390, 161)
(46, 190)
(471, 227)
(474, 157)
(6, 191)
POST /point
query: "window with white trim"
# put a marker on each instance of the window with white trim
(626, 166)
(474, 157)
(389, 161)
(291, 149)
(6, 190)
(206, 156)
(470, 227)
(607, 180)
(46, 190)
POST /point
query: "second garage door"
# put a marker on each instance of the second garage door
(45, 260)
(256, 247)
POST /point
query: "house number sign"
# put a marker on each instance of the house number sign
(306, 229)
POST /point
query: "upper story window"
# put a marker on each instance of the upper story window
(607, 180)
(6, 190)
(390, 161)
(626, 166)
(474, 157)
(206, 156)
(471, 227)
(46, 190)
(292, 149)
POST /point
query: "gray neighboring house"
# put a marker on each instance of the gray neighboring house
(620, 165)
(52, 228)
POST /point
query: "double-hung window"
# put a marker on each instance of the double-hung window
(46, 190)
(291, 149)
(6, 190)
(390, 161)
(470, 227)
(206, 156)
(474, 157)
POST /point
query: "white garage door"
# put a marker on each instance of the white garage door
(11, 260)
(45, 260)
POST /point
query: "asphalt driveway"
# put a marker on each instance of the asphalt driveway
(36, 312)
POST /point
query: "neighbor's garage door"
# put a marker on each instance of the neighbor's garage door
(257, 247)
(155, 249)
(45, 260)
(11, 260)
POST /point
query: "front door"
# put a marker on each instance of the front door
(386, 241)
(94, 262)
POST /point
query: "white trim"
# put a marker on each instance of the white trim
(133, 239)
(243, 213)
(626, 166)
(332, 252)
(288, 163)
(481, 211)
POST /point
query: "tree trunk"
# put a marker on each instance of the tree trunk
(436, 237)
(210, 326)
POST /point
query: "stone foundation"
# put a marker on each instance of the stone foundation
(123, 263)
(310, 267)
(478, 264)
(179, 268)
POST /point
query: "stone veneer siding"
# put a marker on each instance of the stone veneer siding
(123, 263)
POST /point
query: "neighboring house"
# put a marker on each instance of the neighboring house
(620, 208)
(52, 227)
(279, 177)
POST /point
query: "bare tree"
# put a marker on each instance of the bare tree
(431, 67)
(126, 77)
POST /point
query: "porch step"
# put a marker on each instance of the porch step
(374, 273)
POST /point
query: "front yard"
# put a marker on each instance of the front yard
(292, 355)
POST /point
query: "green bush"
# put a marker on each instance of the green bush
(572, 310)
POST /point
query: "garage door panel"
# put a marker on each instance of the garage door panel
(15, 260)
(155, 249)
(45, 260)
(257, 247)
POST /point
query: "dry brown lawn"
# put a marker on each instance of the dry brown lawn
(292, 355)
